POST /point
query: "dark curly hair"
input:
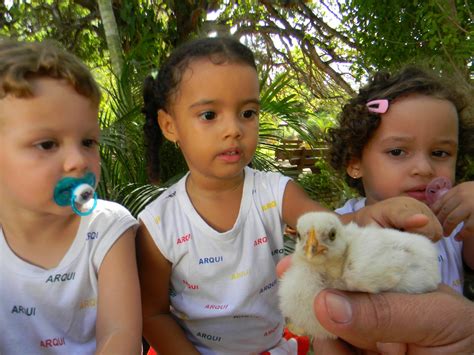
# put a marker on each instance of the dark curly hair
(159, 92)
(356, 125)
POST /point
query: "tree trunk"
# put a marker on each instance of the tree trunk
(111, 35)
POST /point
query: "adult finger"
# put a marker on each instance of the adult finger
(340, 347)
(437, 319)
(332, 347)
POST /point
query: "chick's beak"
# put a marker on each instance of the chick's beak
(312, 246)
(321, 249)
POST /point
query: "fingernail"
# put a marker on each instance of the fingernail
(338, 307)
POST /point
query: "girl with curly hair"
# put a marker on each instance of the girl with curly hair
(395, 137)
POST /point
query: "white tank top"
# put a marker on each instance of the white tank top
(224, 285)
(54, 311)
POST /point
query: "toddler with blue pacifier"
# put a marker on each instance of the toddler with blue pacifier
(68, 274)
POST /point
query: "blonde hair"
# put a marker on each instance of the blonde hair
(22, 61)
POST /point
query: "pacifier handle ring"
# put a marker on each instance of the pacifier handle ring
(85, 213)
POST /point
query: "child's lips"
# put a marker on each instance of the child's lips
(230, 151)
(230, 155)
(417, 193)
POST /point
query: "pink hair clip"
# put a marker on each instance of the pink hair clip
(378, 106)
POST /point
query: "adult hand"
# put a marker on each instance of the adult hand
(456, 206)
(393, 323)
(403, 213)
(390, 323)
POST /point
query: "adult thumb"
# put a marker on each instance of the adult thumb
(437, 319)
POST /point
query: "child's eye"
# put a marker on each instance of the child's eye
(208, 115)
(249, 114)
(397, 152)
(90, 143)
(46, 145)
(440, 154)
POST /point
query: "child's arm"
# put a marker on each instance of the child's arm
(403, 213)
(296, 203)
(159, 328)
(454, 207)
(118, 328)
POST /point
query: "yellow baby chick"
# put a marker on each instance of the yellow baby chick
(329, 254)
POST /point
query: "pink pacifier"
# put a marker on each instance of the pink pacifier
(437, 188)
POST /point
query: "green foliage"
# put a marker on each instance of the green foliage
(397, 32)
(145, 31)
(137, 196)
(326, 186)
(121, 120)
(469, 174)
(72, 23)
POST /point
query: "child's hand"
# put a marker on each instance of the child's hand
(456, 206)
(403, 213)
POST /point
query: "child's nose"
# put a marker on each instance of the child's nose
(75, 160)
(423, 165)
(233, 127)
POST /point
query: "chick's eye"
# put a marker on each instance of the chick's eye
(208, 115)
(46, 145)
(332, 235)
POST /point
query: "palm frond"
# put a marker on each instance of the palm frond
(136, 196)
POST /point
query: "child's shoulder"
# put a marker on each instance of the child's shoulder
(109, 212)
(167, 198)
(260, 176)
(110, 207)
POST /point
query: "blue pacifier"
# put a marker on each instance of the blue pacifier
(76, 192)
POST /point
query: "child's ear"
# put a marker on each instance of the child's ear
(167, 126)
(353, 169)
